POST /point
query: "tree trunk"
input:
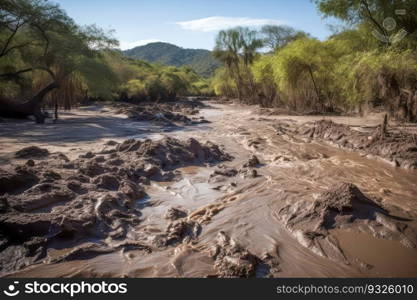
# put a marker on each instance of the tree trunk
(315, 87)
(29, 108)
(56, 109)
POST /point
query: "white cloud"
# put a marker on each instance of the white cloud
(219, 23)
(130, 45)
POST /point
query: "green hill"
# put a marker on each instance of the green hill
(199, 59)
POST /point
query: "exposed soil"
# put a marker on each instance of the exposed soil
(396, 146)
(168, 114)
(90, 197)
(154, 191)
(343, 207)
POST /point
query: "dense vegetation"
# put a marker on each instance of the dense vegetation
(46, 59)
(199, 59)
(371, 60)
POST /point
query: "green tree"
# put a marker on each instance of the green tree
(236, 49)
(37, 36)
(381, 16)
(277, 37)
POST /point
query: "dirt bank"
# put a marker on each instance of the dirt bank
(396, 146)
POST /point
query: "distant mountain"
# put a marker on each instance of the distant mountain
(199, 59)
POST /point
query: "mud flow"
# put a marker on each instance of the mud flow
(207, 189)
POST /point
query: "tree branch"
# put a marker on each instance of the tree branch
(16, 74)
(15, 47)
(380, 27)
(9, 40)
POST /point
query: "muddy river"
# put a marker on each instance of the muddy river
(256, 211)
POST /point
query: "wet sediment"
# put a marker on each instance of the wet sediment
(397, 147)
(56, 199)
(268, 202)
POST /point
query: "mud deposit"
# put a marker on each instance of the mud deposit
(157, 191)
(398, 147)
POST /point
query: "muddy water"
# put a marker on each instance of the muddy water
(247, 208)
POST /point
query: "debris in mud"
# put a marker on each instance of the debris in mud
(249, 173)
(178, 231)
(182, 231)
(170, 153)
(17, 180)
(343, 207)
(166, 114)
(107, 182)
(93, 196)
(175, 214)
(231, 260)
(31, 152)
(252, 163)
(398, 147)
(225, 172)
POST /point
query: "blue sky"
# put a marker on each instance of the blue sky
(191, 23)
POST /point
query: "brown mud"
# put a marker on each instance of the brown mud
(91, 197)
(263, 198)
(396, 146)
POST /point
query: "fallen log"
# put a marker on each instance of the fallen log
(32, 107)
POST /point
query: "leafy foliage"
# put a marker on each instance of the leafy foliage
(352, 70)
(46, 59)
(141, 81)
(276, 37)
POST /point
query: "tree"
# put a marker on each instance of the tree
(389, 20)
(277, 37)
(237, 49)
(304, 72)
(37, 36)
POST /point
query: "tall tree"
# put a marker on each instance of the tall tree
(277, 37)
(388, 19)
(237, 48)
(37, 36)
